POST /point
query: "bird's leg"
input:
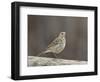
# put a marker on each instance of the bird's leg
(55, 56)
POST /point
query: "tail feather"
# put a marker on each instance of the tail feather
(47, 51)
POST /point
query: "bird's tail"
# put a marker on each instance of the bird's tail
(44, 52)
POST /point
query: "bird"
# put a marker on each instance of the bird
(56, 46)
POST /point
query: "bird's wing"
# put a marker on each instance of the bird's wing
(53, 43)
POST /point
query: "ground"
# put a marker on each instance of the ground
(44, 61)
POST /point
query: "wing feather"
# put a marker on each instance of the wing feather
(53, 43)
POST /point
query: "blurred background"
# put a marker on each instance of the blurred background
(43, 29)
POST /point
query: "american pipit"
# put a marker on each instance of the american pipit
(57, 45)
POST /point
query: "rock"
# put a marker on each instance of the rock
(45, 61)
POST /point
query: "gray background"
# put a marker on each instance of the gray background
(43, 29)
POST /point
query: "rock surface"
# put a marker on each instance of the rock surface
(44, 61)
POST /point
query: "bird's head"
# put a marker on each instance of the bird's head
(62, 34)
